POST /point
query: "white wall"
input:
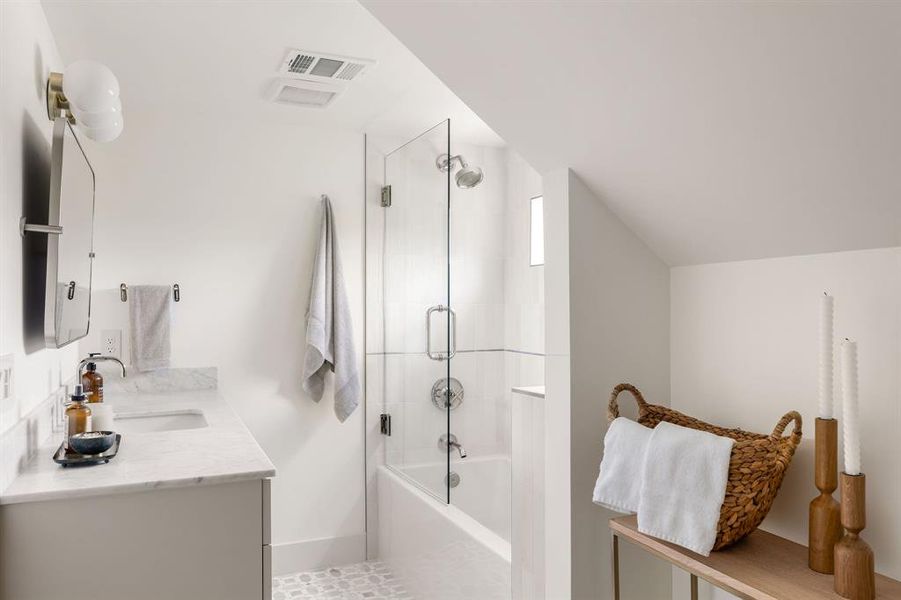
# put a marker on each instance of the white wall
(231, 212)
(619, 331)
(744, 352)
(557, 427)
(607, 298)
(523, 284)
(27, 55)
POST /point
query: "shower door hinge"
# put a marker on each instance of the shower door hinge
(386, 196)
(385, 424)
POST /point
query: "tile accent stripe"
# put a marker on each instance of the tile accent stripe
(458, 352)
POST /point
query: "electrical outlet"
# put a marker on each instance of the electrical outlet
(7, 388)
(111, 342)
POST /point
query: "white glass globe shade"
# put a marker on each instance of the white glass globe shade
(90, 86)
(98, 119)
(107, 133)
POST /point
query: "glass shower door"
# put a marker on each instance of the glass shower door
(419, 340)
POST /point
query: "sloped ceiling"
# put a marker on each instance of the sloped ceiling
(202, 59)
(718, 131)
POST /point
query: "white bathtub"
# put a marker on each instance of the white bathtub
(448, 552)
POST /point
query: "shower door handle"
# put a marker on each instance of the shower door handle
(452, 345)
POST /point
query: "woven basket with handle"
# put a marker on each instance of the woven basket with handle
(756, 467)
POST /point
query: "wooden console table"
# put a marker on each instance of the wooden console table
(763, 566)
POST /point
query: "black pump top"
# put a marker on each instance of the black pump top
(78, 394)
(91, 367)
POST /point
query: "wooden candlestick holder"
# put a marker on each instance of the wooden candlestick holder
(855, 575)
(825, 526)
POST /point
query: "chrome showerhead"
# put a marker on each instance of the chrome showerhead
(467, 177)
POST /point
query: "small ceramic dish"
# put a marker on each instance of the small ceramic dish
(69, 458)
(92, 442)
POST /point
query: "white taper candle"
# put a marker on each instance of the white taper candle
(850, 408)
(826, 356)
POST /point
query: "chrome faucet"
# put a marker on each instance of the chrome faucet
(448, 441)
(95, 357)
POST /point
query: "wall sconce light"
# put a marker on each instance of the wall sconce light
(88, 96)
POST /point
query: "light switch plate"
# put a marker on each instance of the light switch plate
(111, 342)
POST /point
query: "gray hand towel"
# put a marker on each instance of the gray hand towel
(330, 340)
(148, 317)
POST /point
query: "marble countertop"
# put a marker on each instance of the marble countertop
(224, 451)
(532, 390)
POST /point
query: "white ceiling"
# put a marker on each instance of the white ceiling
(203, 59)
(717, 131)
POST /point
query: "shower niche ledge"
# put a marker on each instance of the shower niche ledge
(535, 391)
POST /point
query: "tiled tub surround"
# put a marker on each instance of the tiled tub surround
(498, 299)
(528, 504)
(483, 492)
(223, 451)
(439, 551)
(499, 302)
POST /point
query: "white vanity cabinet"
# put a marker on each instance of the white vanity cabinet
(195, 542)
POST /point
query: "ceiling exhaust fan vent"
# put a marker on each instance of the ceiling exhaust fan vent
(300, 63)
(350, 71)
(300, 92)
(324, 67)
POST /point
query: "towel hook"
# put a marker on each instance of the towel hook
(123, 292)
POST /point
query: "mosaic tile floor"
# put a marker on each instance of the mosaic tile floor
(362, 581)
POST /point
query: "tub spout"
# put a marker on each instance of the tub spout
(448, 441)
(460, 449)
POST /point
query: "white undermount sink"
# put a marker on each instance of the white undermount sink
(150, 422)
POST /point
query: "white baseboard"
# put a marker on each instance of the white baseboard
(311, 555)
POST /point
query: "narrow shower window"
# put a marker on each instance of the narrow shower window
(536, 235)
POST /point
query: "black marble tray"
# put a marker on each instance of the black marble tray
(61, 457)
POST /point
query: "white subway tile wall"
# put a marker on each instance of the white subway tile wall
(497, 296)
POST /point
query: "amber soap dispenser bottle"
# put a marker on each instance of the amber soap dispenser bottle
(78, 415)
(92, 381)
